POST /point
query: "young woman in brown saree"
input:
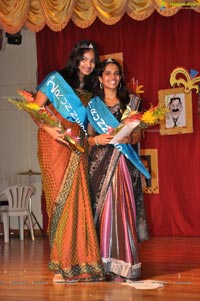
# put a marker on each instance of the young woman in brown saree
(74, 246)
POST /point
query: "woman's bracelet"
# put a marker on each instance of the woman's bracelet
(96, 141)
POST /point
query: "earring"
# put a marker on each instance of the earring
(101, 86)
(120, 85)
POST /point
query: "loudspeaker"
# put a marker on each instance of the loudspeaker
(1, 39)
(14, 39)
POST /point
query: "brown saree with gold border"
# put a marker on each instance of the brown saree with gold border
(74, 245)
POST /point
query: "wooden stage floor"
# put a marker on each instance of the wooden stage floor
(173, 261)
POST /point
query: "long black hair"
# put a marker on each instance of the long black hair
(122, 91)
(70, 72)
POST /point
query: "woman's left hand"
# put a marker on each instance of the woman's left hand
(104, 139)
(125, 140)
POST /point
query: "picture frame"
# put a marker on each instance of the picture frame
(179, 118)
(118, 56)
(149, 158)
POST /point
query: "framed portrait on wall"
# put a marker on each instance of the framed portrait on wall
(178, 119)
(149, 158)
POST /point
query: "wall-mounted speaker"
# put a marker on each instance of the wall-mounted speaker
(14, 39)
(1, 39)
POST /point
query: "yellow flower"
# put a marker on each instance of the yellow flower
(148, 117)
(32, 106)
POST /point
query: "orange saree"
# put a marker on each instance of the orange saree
(74, 245)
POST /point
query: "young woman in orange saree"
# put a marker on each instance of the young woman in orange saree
(74, 246)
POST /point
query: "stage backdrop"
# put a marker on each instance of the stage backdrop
(151, 50)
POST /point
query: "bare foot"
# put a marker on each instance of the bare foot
(58, 278)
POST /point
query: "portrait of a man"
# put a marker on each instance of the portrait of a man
(176, 115)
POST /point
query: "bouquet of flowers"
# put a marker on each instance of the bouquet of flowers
(151, 117)
(132, 120)
(45, 116)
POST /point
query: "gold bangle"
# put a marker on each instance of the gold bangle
(96, 141)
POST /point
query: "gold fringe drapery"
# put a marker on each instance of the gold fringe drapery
(35, 14)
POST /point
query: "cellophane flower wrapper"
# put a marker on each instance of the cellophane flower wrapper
(45, 116)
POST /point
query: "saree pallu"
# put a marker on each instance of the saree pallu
(114, 211)
(73, 240)
(141, 219)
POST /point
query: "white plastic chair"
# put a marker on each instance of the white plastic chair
(19, 204)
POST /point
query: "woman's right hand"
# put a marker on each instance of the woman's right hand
(54, 132)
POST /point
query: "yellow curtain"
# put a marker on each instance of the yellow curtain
(35, 14)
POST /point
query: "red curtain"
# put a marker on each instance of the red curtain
(151, 50)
